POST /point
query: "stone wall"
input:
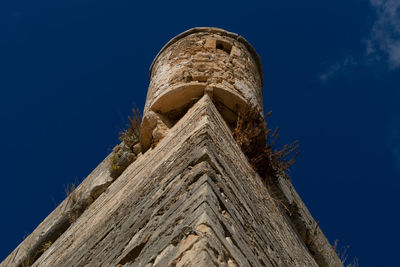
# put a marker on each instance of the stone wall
(193, 200)
(190, 199)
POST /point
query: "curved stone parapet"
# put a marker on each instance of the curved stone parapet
(201, 60)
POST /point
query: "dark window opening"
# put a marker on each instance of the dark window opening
(224, 46)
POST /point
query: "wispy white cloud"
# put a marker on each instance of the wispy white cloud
(337, 68)
(385, 32)
(383, 42)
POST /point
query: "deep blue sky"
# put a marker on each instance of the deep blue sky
(70, 72)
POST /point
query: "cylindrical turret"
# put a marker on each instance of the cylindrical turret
(200, 60)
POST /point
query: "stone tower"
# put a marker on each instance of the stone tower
(190, 198)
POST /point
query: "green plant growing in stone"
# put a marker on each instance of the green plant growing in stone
(121, 158)
(46, 246)
(126, 152)
(130, 136)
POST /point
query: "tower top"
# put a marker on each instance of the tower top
(198, 61)
(218, 31)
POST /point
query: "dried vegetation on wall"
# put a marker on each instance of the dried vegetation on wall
(257, 142)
